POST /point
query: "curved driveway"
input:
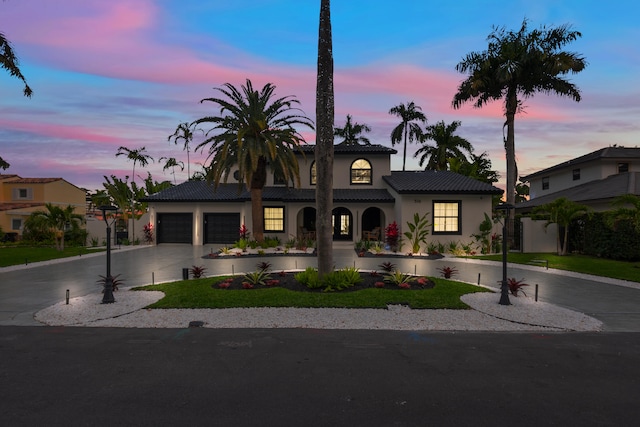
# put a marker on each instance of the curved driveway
(25, 290)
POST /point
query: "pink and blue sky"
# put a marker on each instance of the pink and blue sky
(125, 73)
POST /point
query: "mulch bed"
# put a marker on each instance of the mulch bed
(287, 280)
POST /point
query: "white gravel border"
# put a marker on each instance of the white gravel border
(486, 315)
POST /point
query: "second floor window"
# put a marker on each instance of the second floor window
(576, 174)
(361, 172)
(313, 173)
(545, 183)
(22, 194)
(623, 167)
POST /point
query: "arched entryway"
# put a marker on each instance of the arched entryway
(306, 222)
(372, 218)
(342, 221)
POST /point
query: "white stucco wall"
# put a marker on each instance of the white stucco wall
(537, 238)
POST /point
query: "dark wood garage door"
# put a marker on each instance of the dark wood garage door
(221, 227)
(175, 228)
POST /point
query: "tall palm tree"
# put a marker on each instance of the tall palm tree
(352, 133)
(409, 128)
(324, 142)
(171, 162)
(9, 61)
(185, 133)
(54, 219)
(515, 66)
(253, 131)
(447, 145)
(139, 156)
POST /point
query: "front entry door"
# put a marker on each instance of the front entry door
(342, 224)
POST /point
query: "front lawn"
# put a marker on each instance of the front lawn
(15, 255)
(578, 263)
(204, 293)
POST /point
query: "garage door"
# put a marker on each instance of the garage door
(175, 228)
(221, 227)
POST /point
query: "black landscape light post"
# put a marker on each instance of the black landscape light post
(504, 289)
(107, 297)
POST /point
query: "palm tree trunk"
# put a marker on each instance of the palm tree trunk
(404, 156)
(324, 142)
(510, 154)
(257, 214)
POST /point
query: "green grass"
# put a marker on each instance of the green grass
(578, 263)
(15, 255)
(198, 293)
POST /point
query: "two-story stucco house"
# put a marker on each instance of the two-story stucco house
(19, 197)
(366, 195)
(594, 179)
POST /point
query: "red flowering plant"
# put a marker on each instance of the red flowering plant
(391, 234)
(148, 233)
(244, 232)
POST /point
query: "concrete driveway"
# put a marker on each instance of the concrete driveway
(25, 290)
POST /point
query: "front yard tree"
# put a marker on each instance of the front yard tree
(408, 130)
(324, 142)
(139, 156)
(54, 219)
(254, 132)
(515, 66)
(446, 146)
(351, 133)
(562, 212)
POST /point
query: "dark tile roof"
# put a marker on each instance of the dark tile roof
(200, 191)
(437, 182)
(612, 153)
(598, 190)
(350, 149)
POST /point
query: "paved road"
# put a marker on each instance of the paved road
(59, 376)
(25, 290)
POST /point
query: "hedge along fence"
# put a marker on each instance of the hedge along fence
(596, 235)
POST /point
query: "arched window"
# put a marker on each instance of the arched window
(361, 172)
(313, 173)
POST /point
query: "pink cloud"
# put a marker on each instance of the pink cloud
(59, 131)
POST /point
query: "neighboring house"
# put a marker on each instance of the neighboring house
(366, 195)
(594, 179)
(19, 197)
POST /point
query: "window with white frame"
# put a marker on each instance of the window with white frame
(22, 194)
(446, 217)
(545, 182)
(274, 219)
(16, 224)
(361, 172)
